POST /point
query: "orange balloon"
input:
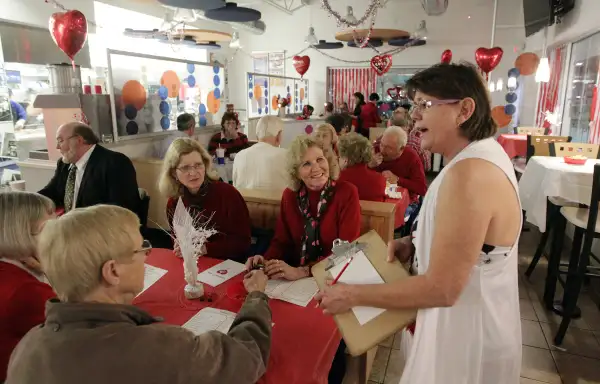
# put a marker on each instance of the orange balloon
(301, 93)
(527, 63)
(134, 93)
(257, 92)
(274, 103)
(501, 118)
(213, 103)
(170, 80)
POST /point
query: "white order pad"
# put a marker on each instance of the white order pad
(151, 276)
(221, 272)
(210, 319)
(360, 271)
(299, 292)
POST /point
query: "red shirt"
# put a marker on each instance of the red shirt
(369, 116)
(228, 214)
(22, 305)
(341, 220)
(229, 145)
(370, 184)
(409, 169)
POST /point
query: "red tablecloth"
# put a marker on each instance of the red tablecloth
(514, 145)
(304, 340)
(401, 205)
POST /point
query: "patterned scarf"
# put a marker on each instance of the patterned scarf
(312, 248)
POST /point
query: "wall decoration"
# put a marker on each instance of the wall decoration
(69, 32)
(301, 63)
(488, 58)
(266, 93)
(308, 129)
(134, 94)
(500, 117)
(381, 64)
(446, 56)
(171, 81)
(527, 63)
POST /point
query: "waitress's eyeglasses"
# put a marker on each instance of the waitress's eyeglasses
(422, 105)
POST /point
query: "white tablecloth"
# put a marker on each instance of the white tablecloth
(550, 176)
(225, 171)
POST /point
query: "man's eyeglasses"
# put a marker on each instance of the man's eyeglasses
(422, 105)
(145, 249)
(191, 168)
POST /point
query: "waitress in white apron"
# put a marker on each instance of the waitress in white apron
(463, 252)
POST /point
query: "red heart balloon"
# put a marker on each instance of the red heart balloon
(69, 31)
(488, 58)
(393, 93)
(301, 63)
(381, 64)
(447, 56)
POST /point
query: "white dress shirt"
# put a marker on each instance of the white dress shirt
(80, 164)
(262, 166)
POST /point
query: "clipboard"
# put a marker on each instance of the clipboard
(359, 339)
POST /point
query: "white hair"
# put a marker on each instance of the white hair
(268, 126)
(400, 134)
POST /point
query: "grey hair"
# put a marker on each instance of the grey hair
(399, 133)
(355, 148)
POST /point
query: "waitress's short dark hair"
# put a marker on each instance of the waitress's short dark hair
(374, 97)
(227, 116)
(458, 81)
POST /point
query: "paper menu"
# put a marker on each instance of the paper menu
(299, 292)
(151, 276)
(210, 319)
(221, 272)
(360, 271)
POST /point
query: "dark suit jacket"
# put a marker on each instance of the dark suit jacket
(109, 178)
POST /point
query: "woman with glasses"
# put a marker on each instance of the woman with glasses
(94, 257)
(464, 254)
(229, 138)
(23, 287)
(187, 173)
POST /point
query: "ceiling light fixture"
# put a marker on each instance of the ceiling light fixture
(421, 32)
(235, 40)
(350, 15)
(311, 38)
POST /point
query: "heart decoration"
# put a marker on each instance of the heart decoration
(447, 56)
(301, 63)
(488, 58)
(381, 64)
(396, 92)
(69, 31)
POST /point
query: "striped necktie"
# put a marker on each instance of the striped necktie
(70, 188)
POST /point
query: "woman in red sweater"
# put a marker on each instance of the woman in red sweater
(314, 212)
(187, 174)
(356, 152)
(23, 290)
(369, 115)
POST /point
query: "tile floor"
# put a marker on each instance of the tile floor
(577, 361)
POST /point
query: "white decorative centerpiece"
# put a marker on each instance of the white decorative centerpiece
(191, 234)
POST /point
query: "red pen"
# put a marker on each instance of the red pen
(342, 271)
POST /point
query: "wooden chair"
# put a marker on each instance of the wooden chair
(530, 131)
(540, 145)
(375, 133)
(591, 151)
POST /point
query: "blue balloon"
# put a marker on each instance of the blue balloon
(250, 85)
(202, 109)
(165, 123)
(163, 92)
(202, 121)
(250, 95)
(132, 128)
(191, 80)
(164, 108)
(514, 72)
(217, 93)
(130, 112)
(216, 69)
(249, 77)
(259, 111)
(510, 109)
(511, 97)
(266, 83)
(266, 92)
(191, 68)
(216, 80)
(266, 110)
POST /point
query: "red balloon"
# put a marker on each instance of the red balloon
(488, 58)
(447, 56)
(69, 31)
(381, 64)
(301, 63)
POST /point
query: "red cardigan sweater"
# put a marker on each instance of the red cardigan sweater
(22, 304)
(369, 116)
(409, 169)
(370, 184)
(341, 220)
(230, 218)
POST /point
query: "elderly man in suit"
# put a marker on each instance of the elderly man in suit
(88, 174)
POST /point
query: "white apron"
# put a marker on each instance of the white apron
(478, 340)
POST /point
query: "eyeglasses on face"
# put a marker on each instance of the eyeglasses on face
(191, 168)
(423, 105)
(145, 248)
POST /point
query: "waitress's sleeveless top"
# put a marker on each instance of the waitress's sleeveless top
(478, 339)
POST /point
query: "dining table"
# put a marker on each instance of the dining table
(304, 340)
(402, 202)
(514, 145)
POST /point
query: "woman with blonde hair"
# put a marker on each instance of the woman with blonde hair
(187, 173)
(356, 152)
(94, 257)
(327, 137)
(23, 288)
